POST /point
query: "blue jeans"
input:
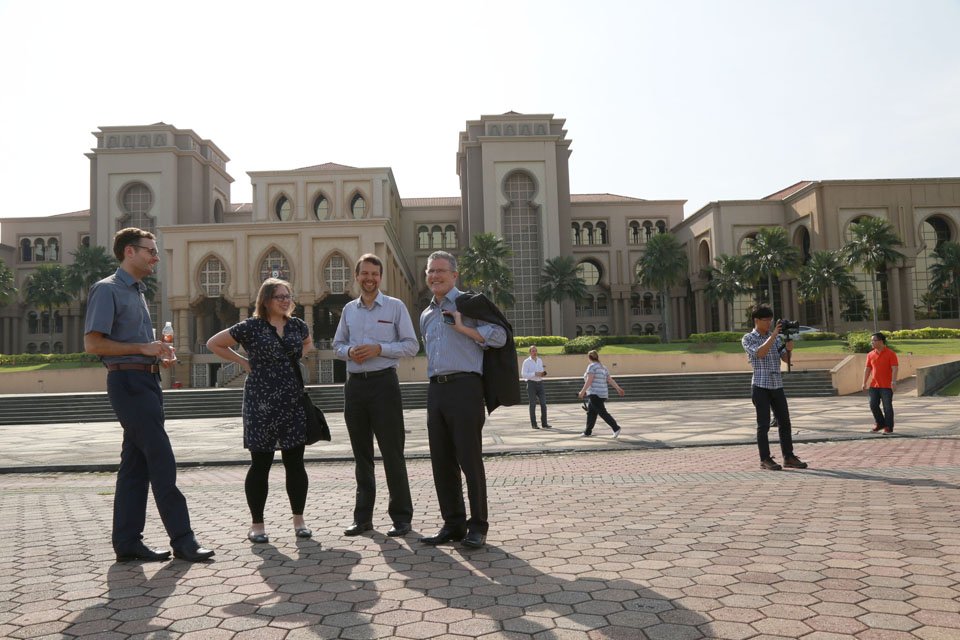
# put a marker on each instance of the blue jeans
(877, 395)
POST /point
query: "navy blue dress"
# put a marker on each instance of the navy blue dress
(272, 416)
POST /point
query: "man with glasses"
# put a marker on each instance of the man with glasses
(118, 329)
(455, 403)
(374, 332)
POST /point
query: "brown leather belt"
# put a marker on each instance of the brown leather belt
(150, 368)
(450, 377)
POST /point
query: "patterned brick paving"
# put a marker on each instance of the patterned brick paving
(684, 543)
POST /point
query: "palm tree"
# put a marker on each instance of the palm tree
(8, 292)
(662, 265)
(728, 279)
(483, 265)
(825, 269)
(560, 282)
(771, 254)
(90, 264)
(871, 246)
(46, 289)
(946, 270)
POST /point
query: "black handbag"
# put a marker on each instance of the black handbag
(317, 428)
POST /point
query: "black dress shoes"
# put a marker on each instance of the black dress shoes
(444, 535)
(143, 553)
(357, 528)
(193, 553)
(474, 539)
(399, 529)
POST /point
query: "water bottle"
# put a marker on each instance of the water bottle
(166, 336)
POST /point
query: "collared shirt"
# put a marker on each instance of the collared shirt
(448, 350)
(117, 309)
(766, 370)
(530, 369)
(386, 322)
(882, 363)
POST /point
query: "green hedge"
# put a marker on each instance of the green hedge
(858, 342)
(716, 336)
(583, 344)
(821, 335)
(12, 359)
(927, 333)
(524, 342)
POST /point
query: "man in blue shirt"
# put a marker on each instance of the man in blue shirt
(118, 330)
(455, 404)
(375, 331)
(765, 350)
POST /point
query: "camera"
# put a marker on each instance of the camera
(789, 327)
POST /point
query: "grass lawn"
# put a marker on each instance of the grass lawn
(50, 365)
(916, 347)
(952, 389)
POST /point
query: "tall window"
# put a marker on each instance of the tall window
(218, 211)
(450, 237)
(633, 232)
(521, 232)
(33, 323)
(136, 202)
(589, 272)
(358, 206)
(274, 266)
(423, 237)
(26, 250)
(321, 208)
(575, 233)
(601, 233)
(436, 237)
(53, 250)
(336, 273)
(283, 208)
(39, 252)
(213, 278)
(934, 231)
(85, 241)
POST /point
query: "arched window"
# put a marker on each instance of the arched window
(136, 202)
(801, 240)
(449, 237)
(423, 237)
(635, 306)
(601, 236)
(39, 253)
(579, 331)
(589, 272)
(45, 322)
(336, 273)
(703, 255)
(649, 304)
(57, 322)
(633, 235)
(649, 329)
(601, 305)
(647, 231)
(436, 237)
(33, 323)
(636, 330)
(661, 226)
(274, 266)
(321, 208)
(283, 208)
(44, 347)
(588, 233)
(31, 347)
(53, 250)
(358, 206)
(218, 211)
(26, 250)
(575, 231)
(604, 330)
(58, 347)
(213, 278)
(931, 302)
(590, 330)
(85, 241)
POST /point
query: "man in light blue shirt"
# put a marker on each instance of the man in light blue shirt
(455, 404)
(375, 331)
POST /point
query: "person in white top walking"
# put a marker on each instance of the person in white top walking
(533, 372)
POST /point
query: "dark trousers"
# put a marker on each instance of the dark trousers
(371, 408)
(146, 461)
(454, 425)
(534, 392)
(257, 482)
(877, 395)
(765, 400)
(597, 407)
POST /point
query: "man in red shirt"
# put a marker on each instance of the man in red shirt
(882, 362)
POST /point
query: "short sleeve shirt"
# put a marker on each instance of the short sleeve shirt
(766, 370)
(599, 385)
(882, 364)
(117, 309)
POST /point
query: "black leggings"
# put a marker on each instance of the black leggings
(256, 483)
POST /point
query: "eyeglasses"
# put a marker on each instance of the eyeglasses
(282, 298)
(434, 272)
(153, 252)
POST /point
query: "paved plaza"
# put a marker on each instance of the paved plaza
(638, 538)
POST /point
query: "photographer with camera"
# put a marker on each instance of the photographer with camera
(765, 351)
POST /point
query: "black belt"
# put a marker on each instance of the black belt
(373, 374)
(450, 377)
(150, 368)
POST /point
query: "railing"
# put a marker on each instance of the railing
(226, 373)
(201, 347)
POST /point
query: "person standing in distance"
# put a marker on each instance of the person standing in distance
(375, 331)
(533, 372)
(765, 351)
(118, 329)
(455, 404)
(883, 365)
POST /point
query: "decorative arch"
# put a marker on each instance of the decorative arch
(801, 240)
(322, 206)
(854, 220)
(590, 271)
(336, 273)
(943, 227)
(212, 284)
(269, 258)
(358, 206)
(521, 186)
(423, 237)
(26, 250)
(218, 210)
(742, 247)
(282, 207)
(703, 255)
(53, 250)
(135, 199)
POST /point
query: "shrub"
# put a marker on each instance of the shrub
(583, 344)
(821, 335)
(716, 336)
(927, 333)
(10, 359)
(859, 342)
(524, 342)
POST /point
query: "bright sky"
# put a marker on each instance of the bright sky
(698, 99)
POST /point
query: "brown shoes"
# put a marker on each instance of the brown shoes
(793, 462)
(770, 465)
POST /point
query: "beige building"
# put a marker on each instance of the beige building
(309, 225)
